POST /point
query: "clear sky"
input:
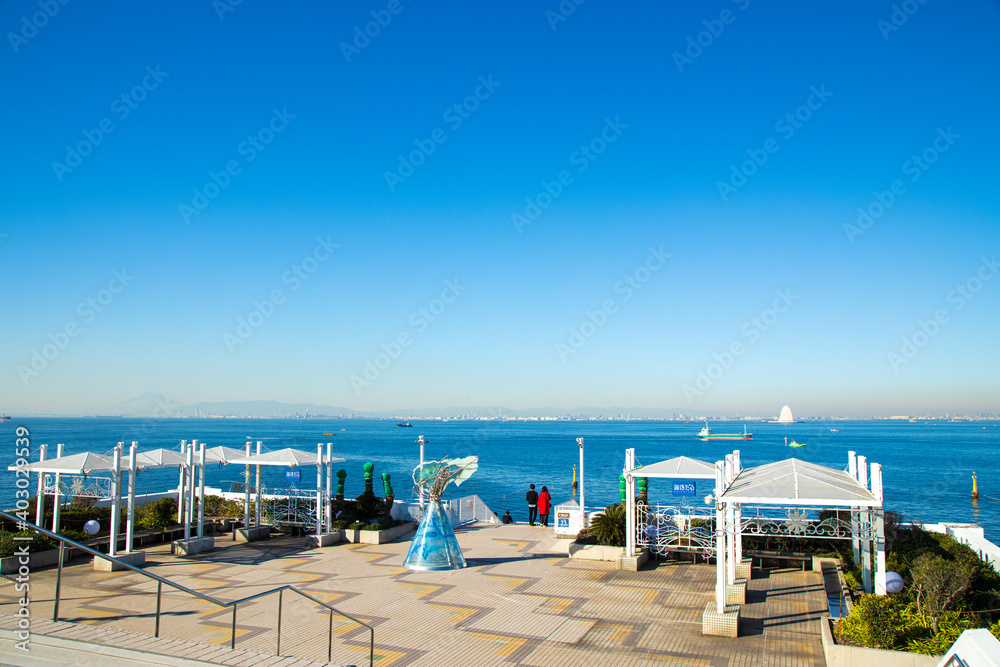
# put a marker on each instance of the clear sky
(547, 207)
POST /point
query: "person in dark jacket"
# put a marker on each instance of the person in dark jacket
(544, 504)
(507, 518)
(532, 497)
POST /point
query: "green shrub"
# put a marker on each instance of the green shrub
(156, 515)
(368, 506)
(9, 546)
(874, 622)
(609, 527)
(339, 524)
(952, 624)
(939, 584)
(358, 525)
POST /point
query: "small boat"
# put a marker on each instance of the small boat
(834, 430)
(329, 434)
(706, 434)
(794, 444)
(404, 425)
(4, 418)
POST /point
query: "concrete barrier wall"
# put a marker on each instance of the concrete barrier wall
(839, 655)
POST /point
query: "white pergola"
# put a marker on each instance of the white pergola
(293, 458)
(681, 467)
(798, 483)
(791, 483)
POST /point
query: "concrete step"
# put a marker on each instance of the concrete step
(61, 644)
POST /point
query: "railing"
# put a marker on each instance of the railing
(467, 509)
(24, 525)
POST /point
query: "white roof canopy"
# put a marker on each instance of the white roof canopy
(681, 467)
(799, 482)
(221, 454)
(75, 464)
(290, 458)
(157, 458)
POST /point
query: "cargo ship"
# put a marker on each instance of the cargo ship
(706, 434)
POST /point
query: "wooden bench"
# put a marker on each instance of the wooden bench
(802, 557)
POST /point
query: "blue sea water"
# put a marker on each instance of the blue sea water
(927, 466)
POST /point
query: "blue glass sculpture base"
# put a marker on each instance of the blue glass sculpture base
(434, 545)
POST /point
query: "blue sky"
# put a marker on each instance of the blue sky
(644, 110)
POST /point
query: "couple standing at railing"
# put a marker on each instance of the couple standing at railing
(539, 505)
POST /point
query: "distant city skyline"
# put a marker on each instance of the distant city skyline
(716, 208)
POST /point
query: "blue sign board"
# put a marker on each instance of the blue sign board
(684, 487)
(295, 475)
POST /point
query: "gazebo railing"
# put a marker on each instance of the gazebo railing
(161, 581)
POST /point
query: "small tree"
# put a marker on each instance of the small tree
(609, 527)
(939, 584)
(874, 622)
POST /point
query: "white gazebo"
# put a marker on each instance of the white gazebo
(796, 487)
(294, 458)
(681, 467)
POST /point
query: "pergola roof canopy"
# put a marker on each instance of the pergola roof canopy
(76, 464)
(290, 458)
(799, 482)
(681, 467)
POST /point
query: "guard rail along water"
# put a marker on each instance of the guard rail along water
(63, 541)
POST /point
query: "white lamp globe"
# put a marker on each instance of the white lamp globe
(91, 527)
(893, 582)
(709, 499)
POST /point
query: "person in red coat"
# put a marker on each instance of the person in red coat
(544, 505)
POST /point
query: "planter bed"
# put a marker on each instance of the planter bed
(842, 655)
(595, 552)
(377, 536)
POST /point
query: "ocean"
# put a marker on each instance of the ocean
(926, 466)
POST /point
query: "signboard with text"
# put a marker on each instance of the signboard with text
(684, 487)
(293, 475)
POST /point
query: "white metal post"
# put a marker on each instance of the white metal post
(328, 495)
(57, 496)
(201, 490)
(189, 488)
(256, 522)
(420, 491)
(852, 470)
(115, 499)
(866, 525)
(879, 530)
(728, 469)
(130, 526)
(246, 493)
(181, 488)
(319, 488)
(40, 498)
(630, 528)
(583, 506)
(720, 540)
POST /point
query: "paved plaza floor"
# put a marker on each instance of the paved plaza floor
(521, 601)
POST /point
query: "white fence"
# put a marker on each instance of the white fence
(460, 510)
(972, 535)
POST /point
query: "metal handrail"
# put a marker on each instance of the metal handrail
(25, 525)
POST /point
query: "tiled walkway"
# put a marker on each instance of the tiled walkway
(521, 601)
